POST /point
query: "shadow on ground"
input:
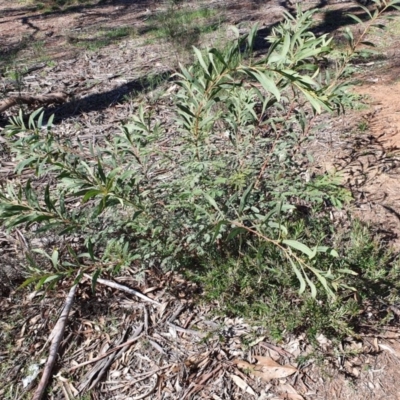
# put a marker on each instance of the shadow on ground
(103, 100)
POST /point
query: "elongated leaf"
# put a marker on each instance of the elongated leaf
(323, 280)
(294, 244)
(281, 227)
(311, 285)
(347, 271)
(95, 276)
(52, 278)
(268, 84)
(50, 122)
(201, 60)
(217, 229)
(47, 200)
(54, 259)
(211, 201)
(220, 58)
(365, 10)
(32, 117)
(90, 194)
(286, 46)
(29, 281)
(185, 110)
(355, 18)
(42, 252)
(91, 250)
(367, 43)
(329, 250)
(299, 275)
(50, 226)
(235, 232)
(100, 171)
(243, 200)
(14, 209)
(31, 218)
(25, 163)
(252, 36)
(315, 103)
(40, 120)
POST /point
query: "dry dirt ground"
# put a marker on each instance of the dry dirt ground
(166, 346)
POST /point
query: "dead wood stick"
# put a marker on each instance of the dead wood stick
(98, 366)
(144, 376)
(129, 342)
(58, 97)
(57, 337)
(176, 313)
(188, 331)
(115, 357)
(196, 387)
(124, 289)
(149, 392)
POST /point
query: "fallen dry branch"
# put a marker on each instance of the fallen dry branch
(124, 289)
(57, 335)
(58, 97)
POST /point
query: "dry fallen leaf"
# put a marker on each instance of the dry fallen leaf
(289, 392)
(266, 368)
(390, 349)
(323, 341)
(163, 308)
(273, 354)
(195, 360)
(243, 385)
(293, 346)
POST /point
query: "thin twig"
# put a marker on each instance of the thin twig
(99, 366)
(176, 313)
(198, 386)
(140, 377)
(124, 289)
(129, 342)
(149, 392)
(115, 357)
(187, 331)
(57, 335)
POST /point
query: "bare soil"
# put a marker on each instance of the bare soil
(186, 354)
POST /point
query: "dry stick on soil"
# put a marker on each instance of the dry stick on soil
(124, 289)
(149, 392)
(198, 386)
(140, 377)
(129, 342)
(187, 331)
(98, 367)
(45, 99)
(57, 336)
(114, 357)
